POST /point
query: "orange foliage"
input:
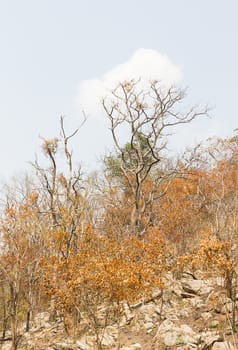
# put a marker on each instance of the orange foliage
(214, 258)
(106, 270)
(178, 212)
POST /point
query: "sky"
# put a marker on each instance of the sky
(57, 57)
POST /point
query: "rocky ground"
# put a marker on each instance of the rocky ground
(191, 314)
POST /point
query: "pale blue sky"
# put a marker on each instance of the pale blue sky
(48, 47)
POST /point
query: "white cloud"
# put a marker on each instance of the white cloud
(145, 64)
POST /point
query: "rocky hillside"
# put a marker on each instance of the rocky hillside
(191, 314)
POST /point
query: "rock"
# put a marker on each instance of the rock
(112, 331)
(128, 315)
(208, 339)
(171, 312)
(146, 317)
(108, 340)
(186, 329)
(206, 315)
(183, 313)
(226, 309)
(41, 318)
(135, 346)
(63, 346)
(172, 335)
(171, 338)
(187, 295)
(149, 320)
(165, 326)
(149, 312)
(82, 346)
(148, 325)
(177, 289)
(197, 302)
(223, 346)
(157, 310)
(6, 346)
(196, 287)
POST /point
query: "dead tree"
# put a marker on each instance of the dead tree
(148, 116)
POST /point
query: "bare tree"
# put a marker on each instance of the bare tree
(62, 198)
(61, 188)
(148, 116)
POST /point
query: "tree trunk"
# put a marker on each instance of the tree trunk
(13, 317)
